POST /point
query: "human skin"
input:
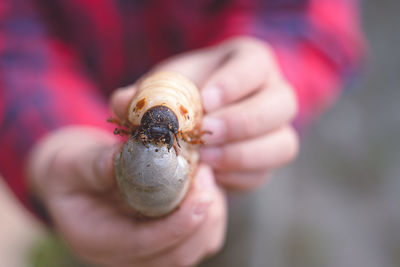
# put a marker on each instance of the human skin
(248, 107)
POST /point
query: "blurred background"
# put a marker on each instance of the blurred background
(337, 205)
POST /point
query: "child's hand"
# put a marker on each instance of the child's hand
(71, 171)
(249, 107)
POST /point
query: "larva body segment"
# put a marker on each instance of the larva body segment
(153, 176)
(173, 91)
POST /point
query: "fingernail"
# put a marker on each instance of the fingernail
(212, 98)
(100, 162)
(216, 127)
(211, 155)
(103, 168)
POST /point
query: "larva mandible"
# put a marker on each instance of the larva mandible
(165, 113)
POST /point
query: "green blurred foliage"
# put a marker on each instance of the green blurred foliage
(51, 251)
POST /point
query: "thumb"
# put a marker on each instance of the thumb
(100, 177)
(72, 158)
(196, 65)
(91, 158)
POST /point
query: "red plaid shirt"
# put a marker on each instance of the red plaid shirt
(60, 60)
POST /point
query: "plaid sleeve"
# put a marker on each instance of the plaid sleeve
(318, 44)
(42, 87)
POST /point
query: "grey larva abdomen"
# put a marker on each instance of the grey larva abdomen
(152, 180)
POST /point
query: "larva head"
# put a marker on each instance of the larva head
(159, 124)
(170, 90)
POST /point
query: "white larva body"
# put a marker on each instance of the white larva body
(173, 91)
(153, 179)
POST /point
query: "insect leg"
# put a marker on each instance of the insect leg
(114, 120)
(135, 133)
(177, 140)
(170, 141)
(121, 132)
(183, 136)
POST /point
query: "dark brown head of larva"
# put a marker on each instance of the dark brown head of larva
(158, 125)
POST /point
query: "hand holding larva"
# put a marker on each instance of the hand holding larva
(156, 164)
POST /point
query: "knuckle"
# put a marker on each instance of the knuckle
(263, 52)
(232, 157)
(291, 99)
(292, 144)
(186, 225)
(63, 160)
(247, 128)
(215, 246)
(187, 260)
(227, 82)
(239, 40)
(246, 41)
(142, 249)
(228, 180)
(258, 180)
(252, 44)
(257, 47)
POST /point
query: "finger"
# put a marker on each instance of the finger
(266, 152)
(160, 234)
(129, 238)
(249, 66)
(241, 180)
(207, 240)
(87, 155)
(196, 65)
(120, 101)
(259, 114)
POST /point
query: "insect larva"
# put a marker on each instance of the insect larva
(156, 164)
